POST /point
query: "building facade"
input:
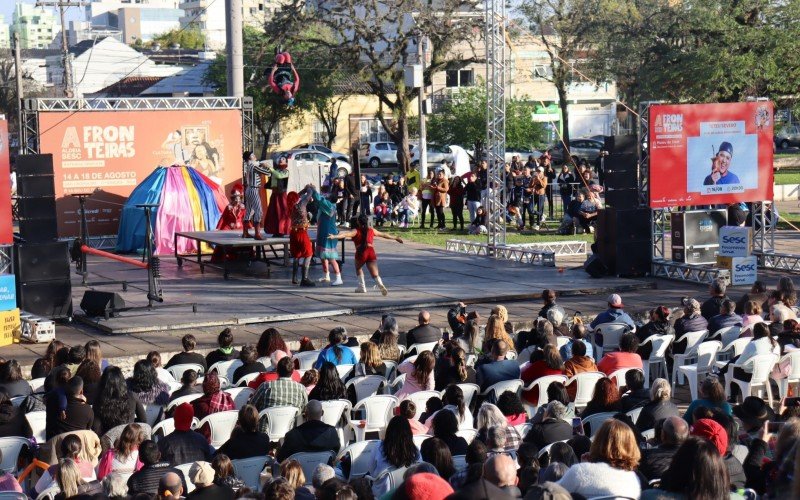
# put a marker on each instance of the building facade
(209, 17)
(37, 26)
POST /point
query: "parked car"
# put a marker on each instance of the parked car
(788, 136)
(323, 149)
(375, 154)
(342, 167)
(522, 155)
(435, 153)
(578, 149)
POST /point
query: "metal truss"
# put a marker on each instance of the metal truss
(105, 241)
(779, 261)
(512, 253)
(559, 248)
(659, 217)
(764, 222)
(495, 37)
(133, 103)
(248, 125)
(688, 272)
(6, 259)
(643, 134)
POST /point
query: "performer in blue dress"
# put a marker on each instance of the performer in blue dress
(326, 247)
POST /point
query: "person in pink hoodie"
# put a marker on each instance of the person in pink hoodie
(408, 410)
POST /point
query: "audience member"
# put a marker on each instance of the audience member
(691, 321)
(77, 416)
(757, 293)
(712, 306)
(213, 400)
(246, 441)
(271, 342)
(184, 445)
(188, 356)
(123, 457)
(170, 486)
(424, 332)
(225, 351)
(659, 406)
(578, 333)
(146, 479)
(552, 428)
(72, 484)
(336, 352)
(727, 317)
(626, 357)
(145, 385)
(542, 364)
(12, 419)
(655, 461)
(11, 381)
(605, 398)
(419, 374)
(282, 392)
(696, 471)
(711, 395)
(614, 313)
(637, 395)
(311, 435)
(250, 363)
(202, 475)
(498, 368)
(188, 386)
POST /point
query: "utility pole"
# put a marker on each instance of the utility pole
(69, 90)
(18, 77)
(422, 51)
(233, 38)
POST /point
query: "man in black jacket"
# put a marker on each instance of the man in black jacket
(552, 428)
(188, 355)
(712, 306)
(655, 461)
(78, 416)
(424, 332)
(184, 445)
(312, 435)
(146, 479)
(637, 395)
(352, 188)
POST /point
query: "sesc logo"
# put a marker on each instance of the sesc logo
(734, 240)
(745, 268)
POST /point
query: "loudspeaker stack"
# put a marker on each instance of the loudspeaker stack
(41, 262)
(624, 240)
(621, 172)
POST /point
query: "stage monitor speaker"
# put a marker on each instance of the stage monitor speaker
(42, 261)
(50, 298)
(34, 165)
(595, 267)
(620, 144)
(97, 303)
(42, 207)
(35, 186)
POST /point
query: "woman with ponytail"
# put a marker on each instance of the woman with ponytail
(336, 352)
(453, 369)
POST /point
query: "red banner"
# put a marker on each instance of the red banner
(6, 224)
(110, 153)
(710, 154)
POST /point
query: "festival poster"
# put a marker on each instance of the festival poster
(6, 223)
(108, 153)
(710, 154)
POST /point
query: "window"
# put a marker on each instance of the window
(543, 71)
(382, 146)
(275, 135)
(460, 78)
(320, 134)
(371, 131)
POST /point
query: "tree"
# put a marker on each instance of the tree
(8, 88)
(379, 38)
(187, 38)
(326, 100)
(561, 25)
(462, 121)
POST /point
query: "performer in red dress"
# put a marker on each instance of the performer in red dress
(299, 242)
(232, 218)
(277, 222)
(363, 237)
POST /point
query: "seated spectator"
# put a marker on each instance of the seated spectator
(778, 315)
(736, 472)
(757, 293)
(312, 435)
(123, 457)
(436, 452)
(475, 457)
(370, 362)
(762, 343)
(752, 413)
(717, 436)
(444, 426)
(396, 450)
(114, 404)
(691, 321)
(388, 338)
(605, 398)
(213, 400)
(541, 365)
(7, 481)
(659, 407)
(246, 441)
(496, 442)
(636, 395)
(90, 373)
(71, 448)
(146, 479)
(713, 305)
(626, 357)
(202, 475)
(552, 428)
(656, 461)
(11, 381)
(696, 471)
(408, 410)
(789, 338)
(188, 386)
(453, 401)
(145, 385)
(250, 363)
(711, 395)
(419, 374)
(727, 317)
(330, 385)
(510, 405)
(271, 342)
(72, 484)
(556, 318)
(609, 471)
(184, 445)
(75, 356)
(271, 374)
(500, 470)
(490, 416)
(225, 351)
(614, 314)
(188, 355)
(309, 379)
(498, 369)
(658, 325)
(424, 332)
(452, 367)
(12, 419)
(578, 363)
(78, 415)
(578, 333)
(154, 357)
(549, 300)
(752, 315)
(336, 352)
(169, 486)
(528, 472)
(292, 471)
(432, 405)
(44, 365)
(496, 331)
(556, 392)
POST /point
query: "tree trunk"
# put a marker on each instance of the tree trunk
(265, 132)
(403, 159)
(562, 103)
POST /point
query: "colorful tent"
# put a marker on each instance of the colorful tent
(189, 201)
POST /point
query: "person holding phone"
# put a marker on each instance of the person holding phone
(720, 167)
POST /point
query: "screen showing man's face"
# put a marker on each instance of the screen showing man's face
(724, 161)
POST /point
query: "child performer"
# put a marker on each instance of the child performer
(299, 243)
(363, 236)
(326, 247)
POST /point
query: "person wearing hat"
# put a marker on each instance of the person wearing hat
(423, 485)
(253, 170)
(753, 412)
(184, 445)
(233, 215)
(202, 475)
(720, 165)
(614, 314)
(691, 321)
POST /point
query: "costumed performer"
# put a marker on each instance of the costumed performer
(277, 222)
(252, 198)
(232, 218)
(299, 242)
(326, 247)
(284, 79)
(363, 237)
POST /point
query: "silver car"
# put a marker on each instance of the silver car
(376, 154)
(788, 136)
(578, 149)
(324, 149)
(342, 167)
(435, 153)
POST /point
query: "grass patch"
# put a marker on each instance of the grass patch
(787, 177)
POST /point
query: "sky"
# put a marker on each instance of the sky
(7, 10)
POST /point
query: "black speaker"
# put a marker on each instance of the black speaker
(624, 240)
(34, 186)
(97, 303)
(622, 199)
(42, 261)
(634, 258)
(595, 267)
(36, 208)
(633, 225)
(34, 165)
(621, 171)
(51, 298)
(620, 144)
(38, 230)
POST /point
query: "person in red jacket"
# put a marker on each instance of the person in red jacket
(542, 363)
(626, 357)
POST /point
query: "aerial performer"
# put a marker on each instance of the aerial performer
(326, 247)
(283, 79)
(277, 222)
(363, 237)
(252, 198)
(299, 242)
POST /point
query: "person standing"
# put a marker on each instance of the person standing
(473, 194)
(299, 242)
(426, 194)
(539, 185)
(456, 193)
(527, 196)
(550, 174)
(365, 196)
(252, 197)
(326, 247)
(353, 197)
(277, 222)
(565, 180)
(440, 186)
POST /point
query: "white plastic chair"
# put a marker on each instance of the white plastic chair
(618, 376)
(183, 399)
(634, 414)
(793, 358)
(658, 355)
(280, 420)
(37, 421)
(420, 347)
(693, 340)
(596, 420)
(244, 380)
(11, 448)
(706, 357)
(221, 425)
(360, 454)
(177, 370)
(511, 355)
(154, 413)
(585, 387)
(544, 451)
(12, 495)
(225, 369)
(165, 376)
(37, 384)
(420, 399)
(542, 383)
(50, 493)
(265, 361)
(240, 395)
(525, 355)
(610, 333)
(395, 385)
(561, 341)
(469, 435)
(335, 414)
(17, 401)
(305, 360)
(366, 386)
(190, 487)
(495, 390)
(732, 349)
(726, 335)
(248, 470)
(344, 370)
(310, 460)
(378, 410)
(762, 367)
(469, 391)
(523, 429)
(387, 481)
(391, 369)
(419, 439)
(649, 434)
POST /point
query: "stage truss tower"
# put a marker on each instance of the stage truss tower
(495, 37)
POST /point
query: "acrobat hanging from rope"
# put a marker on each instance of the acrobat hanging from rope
(284, 79)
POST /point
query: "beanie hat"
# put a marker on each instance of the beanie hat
(201, 474)
(710, 430)
(427, 486)
(727, 147)
(184, 414)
